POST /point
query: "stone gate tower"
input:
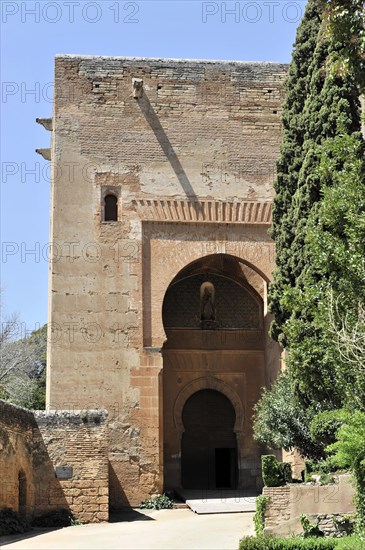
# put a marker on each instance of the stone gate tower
(161, 202)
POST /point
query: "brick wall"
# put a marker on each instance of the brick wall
(80, 440)
(38, 444)
(277, 508)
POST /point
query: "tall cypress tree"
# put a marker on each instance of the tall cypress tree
(327, 107)
(291, 159)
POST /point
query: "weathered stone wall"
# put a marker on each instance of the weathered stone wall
(192, 163)
(289, 502)
(16, 455)
(38, 443)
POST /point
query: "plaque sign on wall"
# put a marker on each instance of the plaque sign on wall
(64, 472)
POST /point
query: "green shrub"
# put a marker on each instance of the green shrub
(271, 473)
(309, 466)
(310, 529)
(259, 517)
(353, 542)
(157, 502)
(255, 543)
(349, 450)
(324, 426)
(281, 421)
(275, 473)
(324, 468)
(11, 522)
(56, 518)
(293, 543)
(326, 479)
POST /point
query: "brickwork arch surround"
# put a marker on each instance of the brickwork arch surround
(259, 269)
(208, 383)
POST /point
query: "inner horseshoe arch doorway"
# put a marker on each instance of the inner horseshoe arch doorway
(208, 443)
(221, 449)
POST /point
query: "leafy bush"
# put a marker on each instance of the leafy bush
(255, 543)
(353, 542)
(271, 473)
(56, 518)
(11, 522)
(309, 467)
(349, 450)
(275, 473)
(259, 517)
(293, 543)
(324, 426)
(281, 422)
(310, 529)
(157, 502)
(326, 479)
(323, 468)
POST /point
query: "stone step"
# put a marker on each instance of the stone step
(218, 502)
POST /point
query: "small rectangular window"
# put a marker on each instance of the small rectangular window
(110, 208)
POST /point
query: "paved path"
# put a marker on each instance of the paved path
(152, 530)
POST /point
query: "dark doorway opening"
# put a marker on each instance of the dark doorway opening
(208, 446)
(225, 467)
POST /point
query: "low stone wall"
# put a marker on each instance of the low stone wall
(77, 440)
(286, 504)
(330, 524)
(53, 460)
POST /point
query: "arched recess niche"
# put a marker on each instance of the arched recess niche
(238, 293)
(160, 273)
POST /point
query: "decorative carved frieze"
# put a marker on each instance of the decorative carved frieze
(204, 211)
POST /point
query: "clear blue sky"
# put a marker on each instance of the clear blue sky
(34, 31)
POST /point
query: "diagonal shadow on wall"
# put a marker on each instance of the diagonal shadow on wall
(161, 136)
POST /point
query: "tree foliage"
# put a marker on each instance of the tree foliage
(281, 421)
(318, 293)
(349, 451)
(324, 426)
(23, 365)
(318, 221)
(290, 162)
(345, 26)
(348, 330)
